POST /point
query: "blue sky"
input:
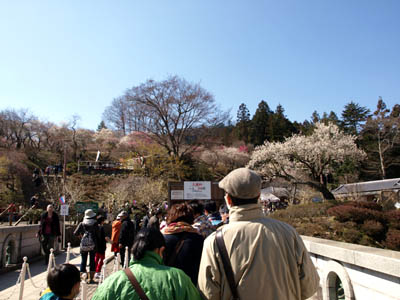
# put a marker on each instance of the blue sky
(60, 58)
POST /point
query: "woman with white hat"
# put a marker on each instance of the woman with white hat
(88, 231)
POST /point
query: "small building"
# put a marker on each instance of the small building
(378, 190)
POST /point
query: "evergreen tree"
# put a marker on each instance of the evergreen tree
(261, 124)
(101, 126)
(281, 126)
(381, 140)
(353, 116)
(243, 123)
(315, 118)
(331, 118)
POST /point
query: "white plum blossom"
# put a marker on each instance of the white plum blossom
(311, 156)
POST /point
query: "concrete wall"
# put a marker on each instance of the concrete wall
(23, 240)
(365, 272)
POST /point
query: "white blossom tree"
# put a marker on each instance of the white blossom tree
(307, 159)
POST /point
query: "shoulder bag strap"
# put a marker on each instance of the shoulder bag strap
(135, 284)
(227, 264)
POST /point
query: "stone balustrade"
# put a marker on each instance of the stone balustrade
(359, 272)
(22, 241)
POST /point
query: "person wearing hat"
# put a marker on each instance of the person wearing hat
(268, 258)
(126, 236)
(88, 232)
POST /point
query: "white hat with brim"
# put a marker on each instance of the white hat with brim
(89, 214)
(122, 214)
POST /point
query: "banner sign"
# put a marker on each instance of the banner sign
(176, 194)
(197, 190)
(82, 206)
(64, 210)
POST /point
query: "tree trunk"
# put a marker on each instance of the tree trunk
(321, 188)
(381, 157)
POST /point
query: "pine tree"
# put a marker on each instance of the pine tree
(101, 126)
(353, 116)
(261, 124)
(281, 126)
(243, 123)
(381, 140)
(315, 118)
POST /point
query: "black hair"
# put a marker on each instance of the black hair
(147, 239)
(62, 278)
(100, 219)
(239, 201)
(223, 209)
(210, 206)
(198, 207)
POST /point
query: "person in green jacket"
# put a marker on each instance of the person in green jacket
(157, 280)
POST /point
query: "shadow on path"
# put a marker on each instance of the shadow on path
(9, 279)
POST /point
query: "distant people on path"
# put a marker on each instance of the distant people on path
(210, 210)
(115, 232)
(145, 221)
(88, 231)
(224, 212)
(49, 230)
(184, 243)
(268, 258)
(126, 235)
(101, 246)
(63, 283)
(155, 279)
(201, 222)
(155, 220)
(34, 201)
(12, 209)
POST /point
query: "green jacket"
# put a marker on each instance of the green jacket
(157, 281)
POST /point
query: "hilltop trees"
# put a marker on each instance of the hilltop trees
(265, 124)
(381, 139)
(353, 117)
(307, 159)
(177, 114)
(243, 123)
(261, 124)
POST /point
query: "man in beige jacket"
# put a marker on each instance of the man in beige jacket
(268, 257)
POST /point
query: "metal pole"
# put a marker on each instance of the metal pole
(64, 166)
(23, 274)
(64, 234)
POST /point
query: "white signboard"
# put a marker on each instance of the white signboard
(176, 194)
(64, 210)
(197, 190)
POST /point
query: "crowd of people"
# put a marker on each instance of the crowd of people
(199, 251)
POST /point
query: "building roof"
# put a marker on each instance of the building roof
(368, 187)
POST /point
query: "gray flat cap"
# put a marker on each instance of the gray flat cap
(242, 183)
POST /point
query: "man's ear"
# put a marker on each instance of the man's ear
(228, 200)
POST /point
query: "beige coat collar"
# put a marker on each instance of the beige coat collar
(245, 212)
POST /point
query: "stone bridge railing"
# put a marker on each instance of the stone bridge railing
(349, 271)
(21, 240)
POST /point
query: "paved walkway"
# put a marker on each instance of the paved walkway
(10, 291)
